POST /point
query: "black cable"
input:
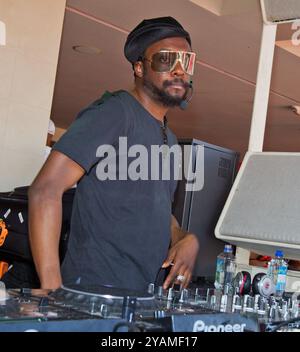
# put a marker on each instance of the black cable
(281, 325)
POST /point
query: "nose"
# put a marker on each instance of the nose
(178, 70)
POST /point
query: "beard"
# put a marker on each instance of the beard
(161, 95)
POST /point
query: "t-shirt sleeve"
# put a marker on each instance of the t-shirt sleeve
(96, 126)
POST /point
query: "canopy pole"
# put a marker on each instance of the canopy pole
(260, 107)
(262, 92)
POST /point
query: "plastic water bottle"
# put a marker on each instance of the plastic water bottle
(225, 269)
(277, 270)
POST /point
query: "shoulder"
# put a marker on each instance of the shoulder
(113, 111)
(108, 103)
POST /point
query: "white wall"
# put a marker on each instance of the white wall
(28, 65)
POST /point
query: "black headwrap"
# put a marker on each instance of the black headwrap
(151, 31)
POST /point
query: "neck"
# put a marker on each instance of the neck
(154, 108)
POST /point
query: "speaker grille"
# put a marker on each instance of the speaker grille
(224, 169)
(280, 11)
(263, 209)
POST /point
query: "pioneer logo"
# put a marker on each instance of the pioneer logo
(200, 326)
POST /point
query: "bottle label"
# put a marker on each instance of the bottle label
(281, 278)
(282, 270)
(219, 279)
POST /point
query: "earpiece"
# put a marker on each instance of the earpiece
(263, 285)
(255, 283)
(184, 104)
(242, 282)
(246, 283)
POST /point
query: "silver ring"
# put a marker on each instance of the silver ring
(180, 278)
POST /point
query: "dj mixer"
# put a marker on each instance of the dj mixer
(109, 309)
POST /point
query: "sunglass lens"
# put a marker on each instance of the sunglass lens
(188, 62)
(163, 61)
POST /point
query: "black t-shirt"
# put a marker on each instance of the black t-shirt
(120, 229)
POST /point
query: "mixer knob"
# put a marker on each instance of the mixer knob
(43, 304)
(151, 289)
(94, 302)
(93, 308)
(227, 289)
(80, 298)
(236, 303)
(159, 314)
(69, 295)
(181, 299)
(236, 300)
(128, 308)
(261, 307)
(272, 312)
(197, 296)
(213, 301)
(295, 309)
(94, 299)
(272, 301)
(224, 300)
(257, 299)
(284, 310)
(207, 295)
(169, 305)
(160, 292)
(184, 294)
(170, 294)
(25, 292)
(245, 300)
(104, 311)
(248, 304)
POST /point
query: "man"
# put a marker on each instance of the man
(122, 231)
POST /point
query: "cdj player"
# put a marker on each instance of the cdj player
(108, 309)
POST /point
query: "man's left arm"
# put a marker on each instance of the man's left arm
(182, 255)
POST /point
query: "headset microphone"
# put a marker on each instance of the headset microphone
(184, 104)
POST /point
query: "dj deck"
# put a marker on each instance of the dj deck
(108, 309)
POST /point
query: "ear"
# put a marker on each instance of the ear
(138, 69)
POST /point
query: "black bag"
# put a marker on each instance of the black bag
(14, 212)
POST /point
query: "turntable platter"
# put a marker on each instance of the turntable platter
(109, 292)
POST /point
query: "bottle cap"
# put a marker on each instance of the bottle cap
(278, 253)
(228, 248)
